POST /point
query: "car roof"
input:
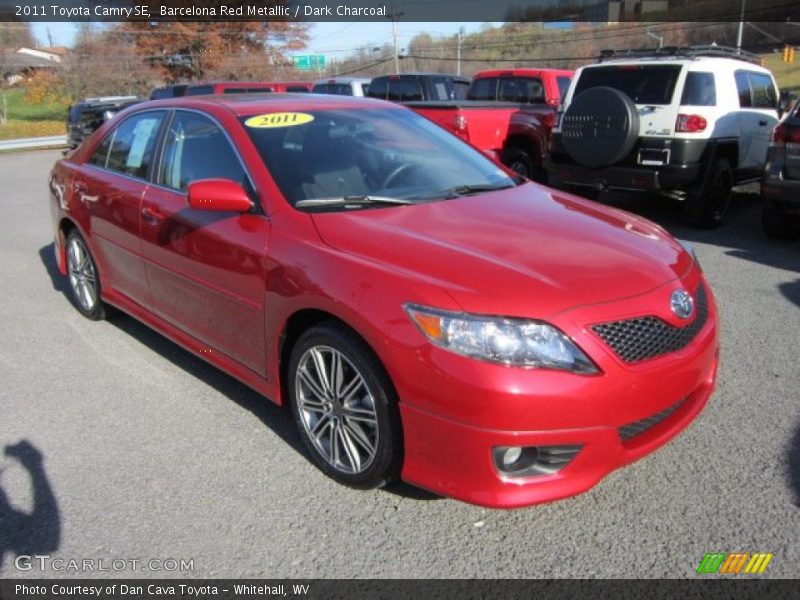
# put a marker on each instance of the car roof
(422, 74)
(521, 71)
(700, 62)
(253, 104)
(342, 80)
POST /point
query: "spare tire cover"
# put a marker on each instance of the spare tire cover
(600, 127)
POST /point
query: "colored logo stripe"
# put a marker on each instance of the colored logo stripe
(733, 563)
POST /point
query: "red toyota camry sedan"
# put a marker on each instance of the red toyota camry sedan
(423, 312)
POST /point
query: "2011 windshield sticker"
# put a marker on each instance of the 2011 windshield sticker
(281, 119)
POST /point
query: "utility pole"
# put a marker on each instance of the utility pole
(394, 16)
(461, 32)
(741, 28)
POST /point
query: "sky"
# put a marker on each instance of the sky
(334, 40)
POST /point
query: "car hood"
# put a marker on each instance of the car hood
(526, 251)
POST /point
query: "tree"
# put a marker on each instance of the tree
(16, 34)
(101, 65)
(196, 50)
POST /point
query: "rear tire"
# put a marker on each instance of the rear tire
(707, 206)
(779, 225)
(84, 281)
(345, 407)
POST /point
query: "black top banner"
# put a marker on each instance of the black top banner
(401, 10)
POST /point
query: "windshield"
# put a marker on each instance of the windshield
(380, 152)
(644, 84)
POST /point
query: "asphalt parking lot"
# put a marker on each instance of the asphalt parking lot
(151, 454)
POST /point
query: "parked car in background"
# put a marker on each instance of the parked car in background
(169, 91)
(523, 86)
(229, 87)
(689, 123)
(84, 117)
(342, 86)
(291, 87)
(780, 185)
(508, 114)
(411, 87)
(423, 313)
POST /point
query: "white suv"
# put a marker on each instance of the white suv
(342, 86)
(690, 123)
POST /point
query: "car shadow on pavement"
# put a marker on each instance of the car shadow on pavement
(794, 465)
(273, 416)
(741, 232)
(48, 258)
(37, 532)
(791, 290)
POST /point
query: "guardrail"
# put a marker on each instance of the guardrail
(31, 143)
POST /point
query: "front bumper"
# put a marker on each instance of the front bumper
(452, 426)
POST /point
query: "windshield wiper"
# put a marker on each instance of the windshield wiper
(468, 190)
(364, 199)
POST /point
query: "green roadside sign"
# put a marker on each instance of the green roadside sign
(309, 62)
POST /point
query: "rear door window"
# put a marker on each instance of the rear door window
(130, 148)
(644, 84)
(743, 88)
(378, 88)
(483, 89)
(763, 91)
(522, 90)
(699, 90)
(405, 89)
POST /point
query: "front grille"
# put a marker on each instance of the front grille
(635, 340)
(631, 430)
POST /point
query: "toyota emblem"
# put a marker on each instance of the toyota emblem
(682, 304)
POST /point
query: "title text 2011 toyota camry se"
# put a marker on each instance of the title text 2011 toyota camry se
(425, 314)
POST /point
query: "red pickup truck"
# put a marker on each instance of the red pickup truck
(508, 114)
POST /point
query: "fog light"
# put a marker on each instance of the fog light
(511, 455)
(527, 461)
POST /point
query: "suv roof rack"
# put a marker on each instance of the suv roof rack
(682, 52)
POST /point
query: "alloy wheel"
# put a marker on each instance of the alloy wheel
(82, 274)
(337, 409)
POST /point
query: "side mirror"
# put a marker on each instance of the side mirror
(222, 195)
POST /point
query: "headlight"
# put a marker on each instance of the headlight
(690, 249)
(513, 342)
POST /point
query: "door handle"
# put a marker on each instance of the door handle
(762, 123)
(80, 190)
(152, 215)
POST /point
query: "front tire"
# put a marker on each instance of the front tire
(345, 407)
(84, 282)
(707, 206)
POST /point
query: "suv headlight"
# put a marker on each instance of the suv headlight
(513, 342)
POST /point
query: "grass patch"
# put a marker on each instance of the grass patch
(22, 110)
(786, 74)
(16, 128)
